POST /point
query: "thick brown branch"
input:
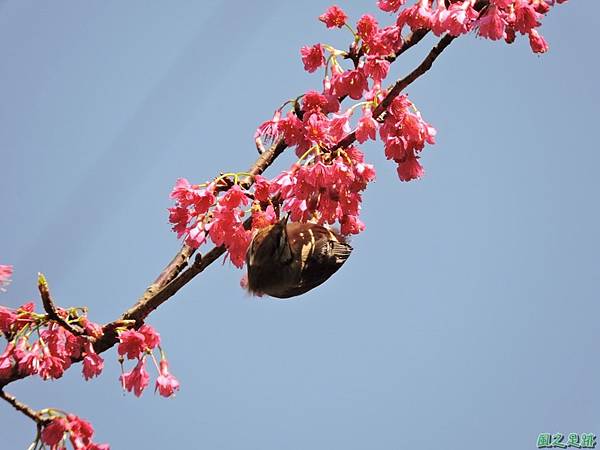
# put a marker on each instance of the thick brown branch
(23, 408)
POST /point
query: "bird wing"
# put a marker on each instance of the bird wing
(326, 260)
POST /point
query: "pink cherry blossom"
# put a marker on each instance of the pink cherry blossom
(367, 127)
(293, 129)
(333, 17)
(7, 361)
(315, 102)
(456, 20)
(151, 336)
(166, 383)
(196, 235)
(418, 16)
(52, 366)
(351, 82)
(390, 5)
(80, 432)
(410, 169)
(92, 362)
(384, 42)
(137, 379)
(261, 188)
(526, 17)
(351, 224)
(7, 318)
(30, 357)
(234, 197)
(312, 57)
(91, 329)
(269, 130)
(132, 343)
(376, 68)
(54, 432)
(492, 25)
(538, 43)
(261, 219)
(367, 27)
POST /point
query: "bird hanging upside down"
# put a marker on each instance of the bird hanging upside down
(289, 259)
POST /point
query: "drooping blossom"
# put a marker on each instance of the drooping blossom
(376, 68)
(137, 379)
(261, 188)
(410, 169)
(79, 432)
(404, 134)
(458, 18)
(191, 204)
(526, 17)
(29, 357)
(419, 16)
(538, 43)
(269, 130)
(54, 432)
(7, 361)
(166, 383)
(367, 127)
(227, 227)
(328, 189)
(492, 24)
(52, 366)
(92, 362)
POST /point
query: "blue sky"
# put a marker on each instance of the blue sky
(467, 314)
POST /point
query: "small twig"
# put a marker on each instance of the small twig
(23, 408)
(51, 310)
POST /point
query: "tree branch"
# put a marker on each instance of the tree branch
(174, 276)
(23, 408)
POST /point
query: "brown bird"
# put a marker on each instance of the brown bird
(289, 259)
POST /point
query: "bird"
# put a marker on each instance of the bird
(288, 259)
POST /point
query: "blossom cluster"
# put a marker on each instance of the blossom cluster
(328, 190)
(404, 132)
(201, 212)
(325, 184)
(494, 19)
(62, 427)
(139, 344)
(53, 351)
